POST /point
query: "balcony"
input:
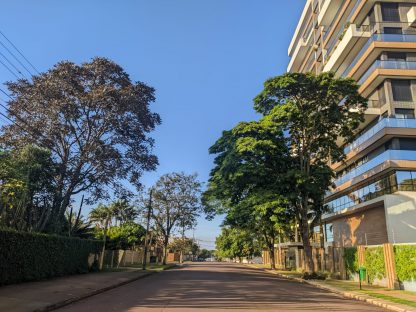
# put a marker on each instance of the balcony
(381, 70)
(378, 160)
(347, 43)
(382, 124)
(329, 11)
(300, 51)
(378, 38)
(411, 17)
(386, 65)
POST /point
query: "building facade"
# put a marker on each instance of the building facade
(374, 42)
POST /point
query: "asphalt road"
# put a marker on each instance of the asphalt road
(217, 287)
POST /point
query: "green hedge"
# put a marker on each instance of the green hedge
(351, 260)
(30, 256)
(374, 263)
(405, 258)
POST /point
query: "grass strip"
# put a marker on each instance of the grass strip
(391, 299)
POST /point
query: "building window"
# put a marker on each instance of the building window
(407, 144)
(393, 30)
(329, 233)
(404, 113)
(390, 12)
(396, 56)
(400, 180)
(401, 90)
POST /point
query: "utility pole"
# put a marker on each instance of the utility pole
(149, 211)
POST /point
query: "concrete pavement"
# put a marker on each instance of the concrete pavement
(45, 295)
(217, 287)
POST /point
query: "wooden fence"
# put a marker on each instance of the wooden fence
(331, 260)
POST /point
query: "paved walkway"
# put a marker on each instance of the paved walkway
(39, 295)
(217, 287)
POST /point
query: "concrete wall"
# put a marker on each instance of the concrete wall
(367, 227)
(401, 217)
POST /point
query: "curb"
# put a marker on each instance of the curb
(346, 294)
(66, 302)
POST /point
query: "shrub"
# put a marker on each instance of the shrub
(351, 260)
(33, 256)
(314, 276)
(374, 263)
(405, 256)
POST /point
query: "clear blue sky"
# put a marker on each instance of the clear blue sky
(207, 59)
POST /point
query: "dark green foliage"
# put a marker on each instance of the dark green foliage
(27, 188)
(308, 108)
(236, 243)
(374, 263)
(32, 256)
(125, 236)
(351, 260)
(248, 181)
(405, 257)
(314, 276)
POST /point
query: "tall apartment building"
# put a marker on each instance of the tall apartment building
(374, 42)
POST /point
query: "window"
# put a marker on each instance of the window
(407, 144)
(393, 30)
(404, 181)
(404, 113)
(390, 12)
(329, 234)
(396, 56)
(401, 90)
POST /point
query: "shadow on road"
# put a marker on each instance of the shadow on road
(217, 286)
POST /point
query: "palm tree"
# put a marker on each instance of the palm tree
(102, 215)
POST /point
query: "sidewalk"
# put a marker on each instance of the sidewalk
(49, 294)
(394, 300)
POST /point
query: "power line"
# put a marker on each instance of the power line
(6, 94)
(11, 43)
(14, 56)
(11, 64)
(29, 130)
(13, 73)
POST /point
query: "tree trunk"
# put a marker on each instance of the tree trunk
(272, 258)
(165, 250)
(183, 245)
(104, 240)
(307, 250)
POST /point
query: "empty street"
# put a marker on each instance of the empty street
(217, 287)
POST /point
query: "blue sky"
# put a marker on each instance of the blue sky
(207, 59)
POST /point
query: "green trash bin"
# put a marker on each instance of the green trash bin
(362, 272)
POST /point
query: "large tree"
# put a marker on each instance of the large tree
(248, 180)
(175, 202)
(93, 118)
(315, 112)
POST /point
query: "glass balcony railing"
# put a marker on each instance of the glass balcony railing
(378, 160)
(383, 38)
(386, 65)
(382, 124)
(332, 25)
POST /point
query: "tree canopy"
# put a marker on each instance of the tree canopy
(175, 203)
(95, 121)
(316, 111)
(248, 179)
